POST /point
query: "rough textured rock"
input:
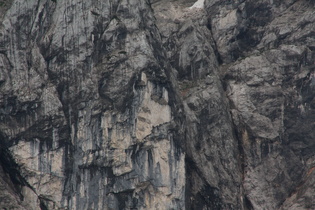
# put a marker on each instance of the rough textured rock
(138, 104)
(270, 91)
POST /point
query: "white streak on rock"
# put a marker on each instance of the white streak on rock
(198, 5)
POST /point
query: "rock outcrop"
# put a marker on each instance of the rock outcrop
(156, 104)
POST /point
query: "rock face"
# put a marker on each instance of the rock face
(156, 104)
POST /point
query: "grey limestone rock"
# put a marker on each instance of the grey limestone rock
(155, 104)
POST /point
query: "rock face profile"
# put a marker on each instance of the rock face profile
(157, 104)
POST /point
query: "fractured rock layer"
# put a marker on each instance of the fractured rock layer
(137, 104)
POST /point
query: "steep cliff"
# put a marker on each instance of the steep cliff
(156, 104)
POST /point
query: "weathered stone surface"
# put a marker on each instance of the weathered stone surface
(268, 104)
(138, 104)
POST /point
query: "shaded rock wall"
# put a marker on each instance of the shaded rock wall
(267, 68)
(136, 104)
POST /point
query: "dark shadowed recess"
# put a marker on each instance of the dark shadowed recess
(207, 197)
(11, 168)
